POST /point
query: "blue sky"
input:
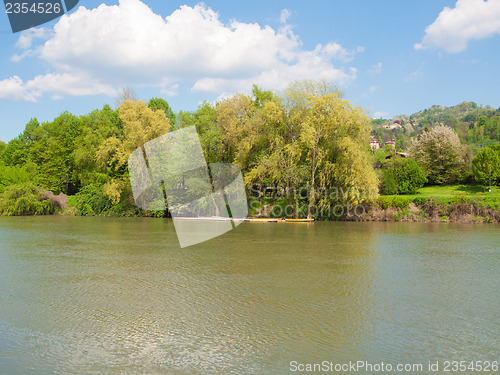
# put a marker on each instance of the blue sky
(390, 57)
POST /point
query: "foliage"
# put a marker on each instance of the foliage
(24, 199)
(395, 201)
(160, 104)
(402, 176)
(140, 124)
(439, 153)
(91, 200)
(448, 194)
(486, 165)
(307, 138)
(13, 175)
(17, 149)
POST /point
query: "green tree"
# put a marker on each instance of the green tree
(439, 153)
(13, 175)
(96, 127)
(158, 103)
(17, 150)
(488, 159)
(261, 96)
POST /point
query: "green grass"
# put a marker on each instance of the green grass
(449, 194)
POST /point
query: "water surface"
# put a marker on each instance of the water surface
(118, 296)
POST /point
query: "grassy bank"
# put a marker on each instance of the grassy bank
(456, 203)
(446, 195)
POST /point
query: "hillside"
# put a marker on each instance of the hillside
(476, 125)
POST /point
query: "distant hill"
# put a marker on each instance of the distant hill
(476, 125)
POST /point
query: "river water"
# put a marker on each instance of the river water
(119, 296)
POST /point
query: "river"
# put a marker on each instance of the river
(93, 295)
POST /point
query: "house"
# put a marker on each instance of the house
(395, 125)
(374, 143)
(392, 143)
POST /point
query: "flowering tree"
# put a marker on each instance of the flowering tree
(439, 153)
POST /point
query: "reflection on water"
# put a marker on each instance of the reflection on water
(101, 295)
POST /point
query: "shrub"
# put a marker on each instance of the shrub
(24, 199)
(13, 175)
(402, 176)
(394, 201)
(91, 200)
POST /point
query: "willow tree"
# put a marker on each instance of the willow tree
(334, 136)
(140, 124)
(241, 129)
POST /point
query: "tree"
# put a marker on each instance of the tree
(125, 93)
(96, 127)
(52, 153)
(17, 149)
(402, 176)
(488, 159)
(239, 128)
(158, 103)
(261, 96)
(3, 146)
(140, 125)
(439, 153)
(335, 137)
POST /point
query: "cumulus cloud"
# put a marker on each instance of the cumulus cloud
(128, 44)
(58, 85)
(456, 27)
(27, 36)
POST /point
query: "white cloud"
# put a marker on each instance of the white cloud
(26, 37)
(129, 45)
(169, 90)
(12, 88)
(130, 38)
(17, 58)
(469, 20)
(285, 15)
(380, 115)
(58, 85)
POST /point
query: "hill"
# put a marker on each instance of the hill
(476, 125)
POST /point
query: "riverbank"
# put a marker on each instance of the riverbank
(457, 203)
(453, 203)
(430, 211)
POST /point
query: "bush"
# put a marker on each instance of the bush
(91, 200)
(25, 199)
(14, 175)
(394, 201)
(402, 176)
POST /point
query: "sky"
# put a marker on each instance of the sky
(390, 56)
